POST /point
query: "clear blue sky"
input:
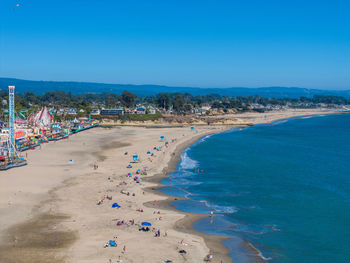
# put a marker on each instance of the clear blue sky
(250, 43)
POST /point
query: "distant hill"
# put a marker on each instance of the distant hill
(40, 87)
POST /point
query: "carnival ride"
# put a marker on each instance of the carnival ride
(22, 131)
(9, 156)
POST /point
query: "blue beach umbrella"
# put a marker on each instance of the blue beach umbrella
(115, 205)
(135, 157)
(146, 224)
(112, 243)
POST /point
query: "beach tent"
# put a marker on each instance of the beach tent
(115, 205)
(192, 128)
(148, 152)
(135, 158)
(146, 224)
(162, 138)
(112, 243)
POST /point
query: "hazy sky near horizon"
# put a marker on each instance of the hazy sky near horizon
(246, 43)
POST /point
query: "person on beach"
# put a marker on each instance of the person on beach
(124, 249)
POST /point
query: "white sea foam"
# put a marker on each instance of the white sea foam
(220, 209)
(186, 162)
(205, 137)
(279, 122)
(275, 228)
(260, 254)
(225, 209)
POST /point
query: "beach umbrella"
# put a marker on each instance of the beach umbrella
(112, 243)
(115, 205)
(146, 224)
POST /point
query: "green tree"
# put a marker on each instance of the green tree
(127, 99)
(178, 103)
(163, 101)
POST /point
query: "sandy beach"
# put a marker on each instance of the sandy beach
(58, 208)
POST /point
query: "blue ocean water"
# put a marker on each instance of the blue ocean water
(283, 187)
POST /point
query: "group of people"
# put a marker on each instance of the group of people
(126, 193)
(108, 197)
(157, 232)
(126, 223)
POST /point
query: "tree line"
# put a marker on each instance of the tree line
(177, 102)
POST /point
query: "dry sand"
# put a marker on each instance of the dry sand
(49, 211)
(251, 118)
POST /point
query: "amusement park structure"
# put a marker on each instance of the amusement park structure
(9, 155)
(12, 121)
(22, 131)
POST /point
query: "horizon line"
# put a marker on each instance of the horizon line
(169, 86)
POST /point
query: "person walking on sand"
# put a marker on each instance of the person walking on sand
(124, 249)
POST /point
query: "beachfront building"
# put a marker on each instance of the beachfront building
(72, 111)
(128, 111)
(141, 110)
(95, 112)
(151, 110)
(112, 112)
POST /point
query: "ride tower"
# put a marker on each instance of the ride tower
(11, 121)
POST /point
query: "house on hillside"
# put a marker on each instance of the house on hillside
(141, 110)
(112, 112)
(72, 111)
(151, 110)
(95, 112)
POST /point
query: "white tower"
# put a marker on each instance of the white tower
(12, 121)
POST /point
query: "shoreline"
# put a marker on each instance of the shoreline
(214, 242)
(55, 195)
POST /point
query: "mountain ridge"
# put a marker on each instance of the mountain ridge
(75, 87)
